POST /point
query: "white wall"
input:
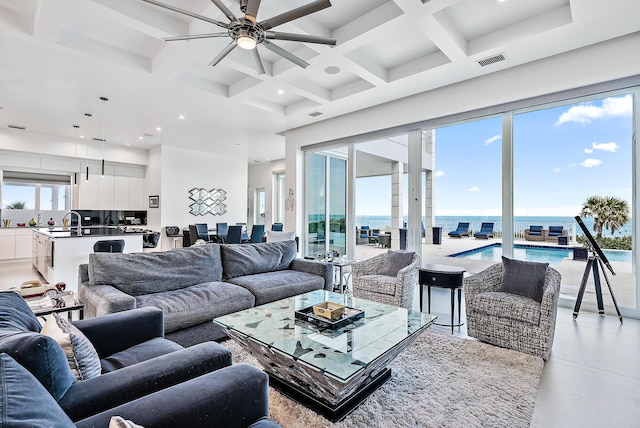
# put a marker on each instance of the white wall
(183, 170)
(261, 176)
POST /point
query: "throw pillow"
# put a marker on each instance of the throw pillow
(523, 278)
(82, 357)
(24, 402)
(120, 422)
(395, 261)
(275, 236)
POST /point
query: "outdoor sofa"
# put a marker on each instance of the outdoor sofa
(194, 285)
(118, 365)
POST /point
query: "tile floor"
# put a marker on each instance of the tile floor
(591, 380)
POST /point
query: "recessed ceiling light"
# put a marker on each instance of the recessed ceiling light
(280, 91)
(141, 138)
(181, 117)
(158, 129)
(332, 70)
(82, 136)
(127, 144)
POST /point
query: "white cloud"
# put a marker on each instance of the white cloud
(588, 151)
(607, 147)
(588, 163)
(586, 113)
(556, 170)
(571, 165)
(474, 189)
(439, 173)
(492, 139)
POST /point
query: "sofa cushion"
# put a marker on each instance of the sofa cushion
(510, 306)
(270, 286)
(23, 400)
(523, 278)
(81, 355)
(141, 352)
(139, 274)
(197, 304)
(248, 259)
(15, 314)
(43, 357)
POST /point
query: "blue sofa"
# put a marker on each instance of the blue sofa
(194, 285)
(145, 377)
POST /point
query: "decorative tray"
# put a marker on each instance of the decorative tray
(350, 315)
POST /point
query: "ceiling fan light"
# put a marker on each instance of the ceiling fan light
(246, 42)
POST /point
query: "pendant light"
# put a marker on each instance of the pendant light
(75, 166)
(88, 116)
(104, 101)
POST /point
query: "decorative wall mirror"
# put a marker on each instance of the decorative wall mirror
(207, 201)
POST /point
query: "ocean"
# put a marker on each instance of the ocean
(449, 223)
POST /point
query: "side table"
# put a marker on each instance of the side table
(341, 263)
(443, 276)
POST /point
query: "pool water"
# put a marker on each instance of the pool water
(551, 255)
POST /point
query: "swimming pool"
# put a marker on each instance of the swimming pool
(533, 253)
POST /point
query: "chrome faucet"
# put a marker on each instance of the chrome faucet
(39, 217)
(79, 226)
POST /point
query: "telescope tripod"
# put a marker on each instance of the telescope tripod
(592, 265)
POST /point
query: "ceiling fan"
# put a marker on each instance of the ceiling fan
(247, 33)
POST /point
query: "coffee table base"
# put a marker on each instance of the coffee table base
(336, 412)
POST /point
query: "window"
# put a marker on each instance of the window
(30, 193)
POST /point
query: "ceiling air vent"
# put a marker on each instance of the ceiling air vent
(315, 114)
(491, 60)
(17, 127)
(99, 139)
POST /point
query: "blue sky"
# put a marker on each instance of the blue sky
(562, 156)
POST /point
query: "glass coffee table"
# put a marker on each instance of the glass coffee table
(329, 370)
(66, 301)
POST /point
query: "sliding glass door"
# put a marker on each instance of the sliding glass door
(326, 204)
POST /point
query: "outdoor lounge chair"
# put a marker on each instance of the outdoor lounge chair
(555, 232)
(535, 233)
(462, 230)
(486, 231)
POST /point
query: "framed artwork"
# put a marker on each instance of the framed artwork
(154, 201)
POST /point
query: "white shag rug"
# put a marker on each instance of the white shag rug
(439, 381)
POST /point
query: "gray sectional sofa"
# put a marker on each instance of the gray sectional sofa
(196, 284)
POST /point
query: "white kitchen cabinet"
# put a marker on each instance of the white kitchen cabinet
(88, 192)
(23, 243)
(7, 244)
(106, 192)
(121, 193)
(136, 193)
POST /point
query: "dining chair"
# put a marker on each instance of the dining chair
(257, 233)
(277, 227)
(234, 235)
(221, 231)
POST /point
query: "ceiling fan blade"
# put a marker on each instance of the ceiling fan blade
(231, 46)
(252, 10)
(285, 54)
(225, 10)
(195, 36)
(257, 62)
(186, 12)
(300, 38)
(295, 14)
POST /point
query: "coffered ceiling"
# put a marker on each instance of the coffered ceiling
(57, 57)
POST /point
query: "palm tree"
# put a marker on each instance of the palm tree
(608, 212)
(18, 205)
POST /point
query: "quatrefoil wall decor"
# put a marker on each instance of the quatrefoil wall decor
(207, 201)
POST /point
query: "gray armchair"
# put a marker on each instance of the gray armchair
(510, 320)
(370, 284)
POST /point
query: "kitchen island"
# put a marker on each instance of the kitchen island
(57, 252)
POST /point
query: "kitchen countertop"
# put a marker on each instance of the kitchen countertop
(90, 231)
